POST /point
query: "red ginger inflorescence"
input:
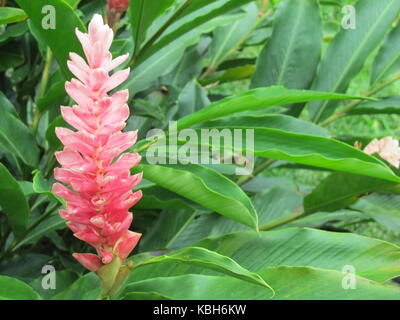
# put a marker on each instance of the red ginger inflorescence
(118, 5)
(92, 164)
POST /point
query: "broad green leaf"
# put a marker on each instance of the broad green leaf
(389, 105)
(189, 67)
(25, 267)
(291, 283)
(384, 208)
(145, 296)
(310, 150)
(13, 289)
(11, 15)
(340, 190)
(285, 60)
(205, 187)
(277, 205)
(207, 259)
(73, 3)
(274, 121)
(63, 279)
(227, 38)
(305, 283)
(373, 259)
(349, 50)
(387, 61)
(155, 197)
(319, 219)
(142, 14)
(256, 99)
(192, 98)
(13, 202)
(167, 228)
(197, 287)
(61, 39)
(163, 61)
(273, 206)
(27, 187)
(194, 15)
(87, 287)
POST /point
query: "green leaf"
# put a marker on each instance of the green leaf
(389, 105)
(145, 296)
(205, 187)
(291, 283)
(42, 186)
(25, 267)
(227, 38)
(373, 259)
(51, 137)
(349, 50)
(155, 197)
(207, 259)
(340, 190)
(13, 31)
(206, 288)
(54, 97)
(319, 219)
(54, 222)
(11, 15)
(13, 202)
(285, 60)
(383, 208)
(167, 227)
(192, 98)
(87, 287)
(274, 121)
(142, 15)
(256, 99)
(61, 39)
(161, 62)
(194, 16)
(13, 289)
(305, 283)
(311, 150)
(387, 61)
(274, 207)
(63, 280)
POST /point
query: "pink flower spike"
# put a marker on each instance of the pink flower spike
(128, 244)
(97, 183)
(89, 261)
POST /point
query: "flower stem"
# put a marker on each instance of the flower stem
(43, 87)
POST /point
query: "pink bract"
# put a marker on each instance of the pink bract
(100, 192)
(118, 5)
